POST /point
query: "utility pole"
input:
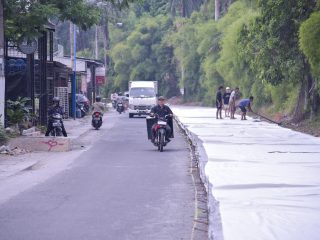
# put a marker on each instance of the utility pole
(2, 62)
(71, 42)
(96, 43)
(106, 43)
(73, 57)
(74, 67)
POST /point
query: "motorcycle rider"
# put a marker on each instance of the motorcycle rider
(114, 97)
(161, 110)
(55, 109)
(98, 106)
(122, 99)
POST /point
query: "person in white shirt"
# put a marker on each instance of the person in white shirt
(232, 102)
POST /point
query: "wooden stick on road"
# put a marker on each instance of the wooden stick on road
(268, 119)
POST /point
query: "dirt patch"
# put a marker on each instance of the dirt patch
(311, 127)
(307, 126)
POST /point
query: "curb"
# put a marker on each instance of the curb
(200, 159)
(200, 221)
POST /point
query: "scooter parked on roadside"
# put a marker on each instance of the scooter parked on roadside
(114, 104)
(82, 109)
(97, 120)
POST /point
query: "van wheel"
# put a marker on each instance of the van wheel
(130, 115)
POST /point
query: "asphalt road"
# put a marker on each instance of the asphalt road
(121, 188)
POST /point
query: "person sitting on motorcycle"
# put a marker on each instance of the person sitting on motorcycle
(120, 105)
(98, 106)
(55, 109)
(161, 111)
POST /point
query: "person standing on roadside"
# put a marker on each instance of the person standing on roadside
(232, 102)
(219, 102)
(226, 97)
(244, 105)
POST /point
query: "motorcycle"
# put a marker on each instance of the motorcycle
(114, 104)
(96, 120)
(120, 107)
(82, 109)
(56, 125)
(161, 132)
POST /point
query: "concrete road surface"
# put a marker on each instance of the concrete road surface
(121, 188)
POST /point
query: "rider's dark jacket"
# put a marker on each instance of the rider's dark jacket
(161, 111)
(55, 109)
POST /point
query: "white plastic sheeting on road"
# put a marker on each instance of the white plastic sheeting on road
(265, 178)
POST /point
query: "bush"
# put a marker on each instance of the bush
(17, 111)
(3, 136)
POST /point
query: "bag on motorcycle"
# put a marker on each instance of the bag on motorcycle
(150, 122)
(170, 123)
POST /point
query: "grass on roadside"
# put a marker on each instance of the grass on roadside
(3, 136)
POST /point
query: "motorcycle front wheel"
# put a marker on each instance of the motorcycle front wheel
(158, 141)
(97, 126)
(53, 133)
(161, 139)
(58, 132)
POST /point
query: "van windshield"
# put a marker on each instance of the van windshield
(142, 92)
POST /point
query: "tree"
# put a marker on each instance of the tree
(217, 7)
(310, 45)
(273, 46)
(144, 56)
(26, 18)
(310, 41)
(232, 64)
(266, 47)
(185, 42)
(184, 7)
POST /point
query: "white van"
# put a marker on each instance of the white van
(142, 97)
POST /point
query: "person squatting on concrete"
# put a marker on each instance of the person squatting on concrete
(245, 105)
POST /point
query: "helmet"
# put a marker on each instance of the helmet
(56, 99)
(161, 98)
(98, 98)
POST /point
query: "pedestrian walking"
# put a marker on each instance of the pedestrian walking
(245, 105)
(226, 98)
(232, 102)
(219, 102)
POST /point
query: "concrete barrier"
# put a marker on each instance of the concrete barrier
(42, 144)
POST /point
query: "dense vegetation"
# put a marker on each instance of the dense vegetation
(25, 18)
(269, 48)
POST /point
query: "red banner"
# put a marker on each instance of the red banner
(100, 80)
